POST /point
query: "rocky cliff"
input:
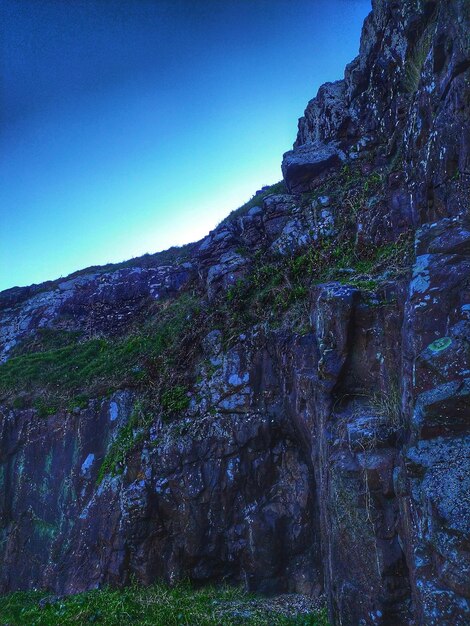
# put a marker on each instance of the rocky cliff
(286, 403)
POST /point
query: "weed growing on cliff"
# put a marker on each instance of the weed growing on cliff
(387, 406)
(175, 400)
(79, 401)
(279, 286)
(272, 288)
(157, 605)
(351, 516)
(45, 407)
(128, 437)
(46, 339)
(415, 62)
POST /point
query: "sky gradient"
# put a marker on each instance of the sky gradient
(128, 126)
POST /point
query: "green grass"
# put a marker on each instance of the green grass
(156, 605)
(46, 339)
(278, 288)
(127, 438)
(155, 362)
(65, 377)
(173, 402)
(175, 399)
(415, 62)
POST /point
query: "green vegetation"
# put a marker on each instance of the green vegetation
(157, 605)
(127, 438)
(349, 188)
(79, 401)
(276, 286)
(45, 407)
(256, 200)
(47, 339)
(65, 377)
(175, 399)
(415, 62)
(155, 360)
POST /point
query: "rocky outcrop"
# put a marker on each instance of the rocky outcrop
(90, 303)
(314, 431)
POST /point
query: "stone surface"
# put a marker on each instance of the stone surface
(306, 166)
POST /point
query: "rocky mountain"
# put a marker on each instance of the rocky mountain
(285, 404)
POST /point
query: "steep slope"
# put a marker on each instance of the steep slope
(286, 403)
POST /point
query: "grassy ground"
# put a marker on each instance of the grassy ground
(157, 605)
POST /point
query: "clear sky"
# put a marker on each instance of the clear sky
(128, 126)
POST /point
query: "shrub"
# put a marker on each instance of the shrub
(44, 407)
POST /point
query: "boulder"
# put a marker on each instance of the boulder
(307, 165)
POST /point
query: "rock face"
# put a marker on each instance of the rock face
(327, 454)
(89, 302)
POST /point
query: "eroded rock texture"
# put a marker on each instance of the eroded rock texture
(335, 457)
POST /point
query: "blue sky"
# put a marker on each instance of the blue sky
(128, 126)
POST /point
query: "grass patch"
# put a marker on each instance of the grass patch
(46, 339)
(157, 605)
(175, 399)
(65, 377)
(127, 438)
(277, 288)
(415, 61)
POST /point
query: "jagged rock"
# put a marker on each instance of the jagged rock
(226, 272)
(324, 116)
(294, 235)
